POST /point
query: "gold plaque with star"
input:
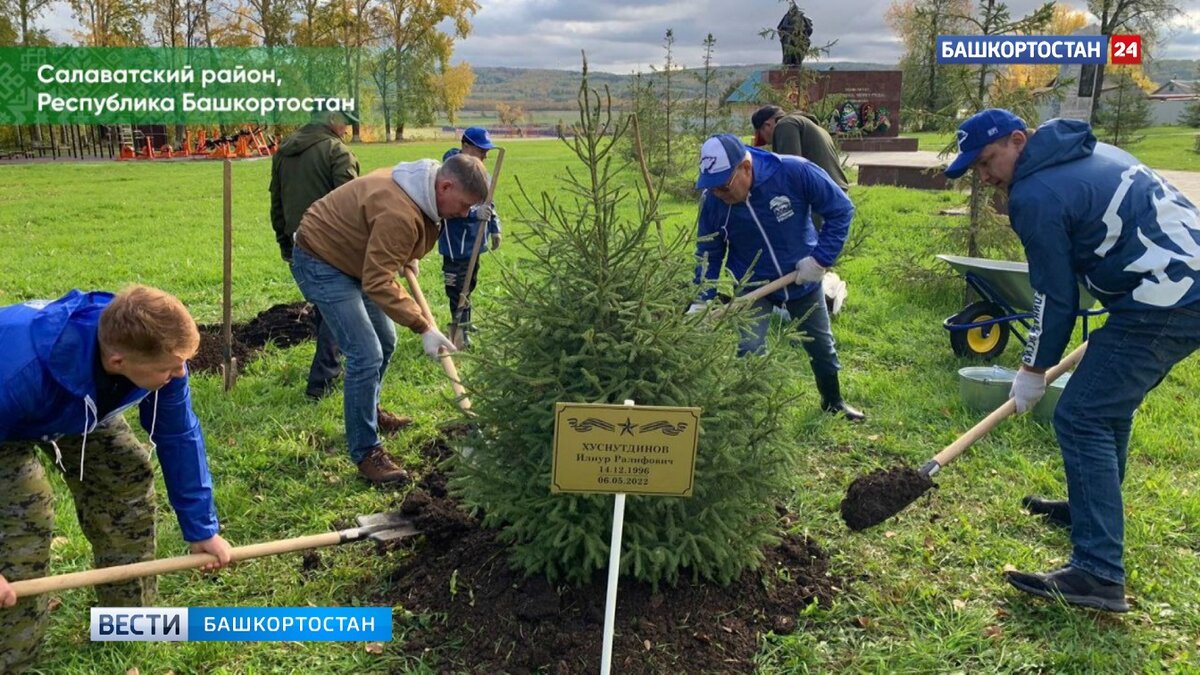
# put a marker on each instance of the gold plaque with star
(606, 449)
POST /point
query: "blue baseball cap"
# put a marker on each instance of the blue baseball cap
(450, 153)
(478, 137)
(719, 156)
(977, 132)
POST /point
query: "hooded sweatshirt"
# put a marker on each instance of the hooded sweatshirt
(1090, 213)
(309, 165)
(772, 230)
(48, 389)
(370, 228)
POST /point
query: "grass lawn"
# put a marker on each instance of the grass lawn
(1170, 148)
(925, 591)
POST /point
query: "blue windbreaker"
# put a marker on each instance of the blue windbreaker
(773, 230)
(458, 234)
(1091, 213)
(47, 390)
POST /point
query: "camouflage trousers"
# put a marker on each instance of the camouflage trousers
(115, 506)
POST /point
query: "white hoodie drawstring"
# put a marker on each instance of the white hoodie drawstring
(57, 453)
(88, 407)
(153, 421)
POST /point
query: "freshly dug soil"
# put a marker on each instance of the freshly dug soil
(881, 494)
(490, 619)
(285, 325)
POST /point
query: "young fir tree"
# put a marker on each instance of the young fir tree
(597, 316)
(1123, 112)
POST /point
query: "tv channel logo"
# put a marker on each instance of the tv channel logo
(1039, 49)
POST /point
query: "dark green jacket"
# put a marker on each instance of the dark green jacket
(309, 165)
(801, 135)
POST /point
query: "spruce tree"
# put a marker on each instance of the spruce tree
(596, 314)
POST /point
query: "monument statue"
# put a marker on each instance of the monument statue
(795, 30)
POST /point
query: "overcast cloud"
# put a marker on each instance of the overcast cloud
(624, 35)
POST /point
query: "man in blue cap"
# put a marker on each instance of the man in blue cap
(756, 213)
(458, 240)
(1088, 212)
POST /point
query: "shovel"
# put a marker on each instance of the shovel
(760, 292)
(883, 493)
(380, 527)
(456, 335)
(447, 363)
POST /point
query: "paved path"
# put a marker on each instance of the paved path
(1188, 182)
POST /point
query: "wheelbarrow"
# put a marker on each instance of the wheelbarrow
(982, 329)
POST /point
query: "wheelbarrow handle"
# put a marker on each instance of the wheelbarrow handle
(952, 451)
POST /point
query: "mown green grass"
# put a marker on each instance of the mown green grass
(1170, 148)
(923, 593)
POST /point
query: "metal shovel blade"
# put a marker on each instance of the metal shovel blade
(386, 527)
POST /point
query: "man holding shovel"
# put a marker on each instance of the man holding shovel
(755, 211)
(71, 367)
(350, 246)
(1088, 212)
(457, 242)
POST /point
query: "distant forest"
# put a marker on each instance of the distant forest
(540, 89)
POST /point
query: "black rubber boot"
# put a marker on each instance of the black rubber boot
(831, 400)
(1055, 512)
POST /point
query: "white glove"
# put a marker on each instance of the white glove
(809, 270)
(433, 341)
(696, 307)
(495, 241)
(1028, 388)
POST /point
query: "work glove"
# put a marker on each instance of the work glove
(1028, 388)
(696, 307)
(809, 271)
(433, 341)
(496, 241)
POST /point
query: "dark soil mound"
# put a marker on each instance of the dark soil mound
(285, 325)
(881, 494)
(490, 619)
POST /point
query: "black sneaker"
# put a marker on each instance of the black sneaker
(1052, 511)
(1074, 587)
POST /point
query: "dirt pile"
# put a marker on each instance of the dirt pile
(285, 325)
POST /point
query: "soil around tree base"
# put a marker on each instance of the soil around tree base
(488, 618)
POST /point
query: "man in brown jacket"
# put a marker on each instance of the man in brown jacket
(350, 246)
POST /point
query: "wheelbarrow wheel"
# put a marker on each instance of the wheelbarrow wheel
(984, 342)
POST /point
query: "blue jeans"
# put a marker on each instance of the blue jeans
(1125, 359)
(822, 355)
(365, 335)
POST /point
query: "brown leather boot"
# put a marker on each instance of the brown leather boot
(390, 423)
(379, 468)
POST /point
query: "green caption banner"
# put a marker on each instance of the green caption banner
(150, 85)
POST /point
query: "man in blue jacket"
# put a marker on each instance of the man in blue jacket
(1088, 212)
(458, 240)
(755, 216)
(70, 368)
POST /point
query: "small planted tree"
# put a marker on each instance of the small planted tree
(597, 315)
(1123, 112)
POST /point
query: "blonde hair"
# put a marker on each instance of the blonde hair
(149, 323)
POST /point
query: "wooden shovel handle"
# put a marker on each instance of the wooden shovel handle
(476, 247)
(760, 292)
(443, 356)
(988, 423)
(108, 575)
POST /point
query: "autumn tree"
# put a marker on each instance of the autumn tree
(410, 28)
(509, 115)
(926, 97)
(22, 13)
(1119, 17)
(110, 23)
